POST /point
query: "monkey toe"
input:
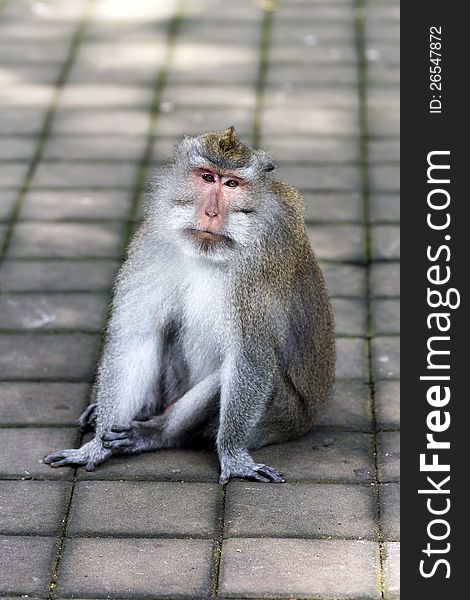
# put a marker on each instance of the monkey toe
(257, 472)
(244, 473)
(66, 462)
(271, 474)
(88, 417)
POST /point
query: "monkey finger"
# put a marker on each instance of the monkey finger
(88, 417)
(90, 466)
(111, 436)
(118, 443)
(119, 428)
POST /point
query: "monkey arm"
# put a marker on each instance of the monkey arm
(170, 429)
(130, 363)
(126, 379)
(248, 381)
(125, 382)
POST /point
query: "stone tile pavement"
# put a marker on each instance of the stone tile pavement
(94, 93)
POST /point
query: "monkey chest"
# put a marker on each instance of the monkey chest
(205, 326)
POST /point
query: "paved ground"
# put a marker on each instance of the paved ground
(94, 94)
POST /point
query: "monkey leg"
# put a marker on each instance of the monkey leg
(249, 382)
(170, 429)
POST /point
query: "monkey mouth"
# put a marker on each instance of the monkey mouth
(207, 238)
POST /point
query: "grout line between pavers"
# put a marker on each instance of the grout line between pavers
(43, 135)
(60, 543)
(218, 541)
(268, 8)
(193, 536)
(193, 597)
(42, 139)
(360, 34)
(146, 161)
(151, 479)
(141, 176)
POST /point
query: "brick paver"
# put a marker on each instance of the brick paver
(286, 568)
(94, 93)
(103, 568)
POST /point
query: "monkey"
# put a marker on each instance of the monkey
(221, 331)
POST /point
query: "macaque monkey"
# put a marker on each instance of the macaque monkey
(221, 329)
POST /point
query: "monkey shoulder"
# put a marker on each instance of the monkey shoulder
(287, 194)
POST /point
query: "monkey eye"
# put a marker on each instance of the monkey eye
(208, 177)
(231, 183)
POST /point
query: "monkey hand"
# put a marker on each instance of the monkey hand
(90, 455)
(88, 417)
(245, 468)
(135, 437)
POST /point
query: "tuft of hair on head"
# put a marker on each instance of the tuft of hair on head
(228, 139)
(224, 150)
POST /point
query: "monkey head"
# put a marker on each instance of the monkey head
(216, 192)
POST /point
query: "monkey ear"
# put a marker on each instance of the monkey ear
(266, 161)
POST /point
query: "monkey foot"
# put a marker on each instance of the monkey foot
(254, 472)
(90, 455)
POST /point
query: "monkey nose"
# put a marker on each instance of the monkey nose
(211, 213)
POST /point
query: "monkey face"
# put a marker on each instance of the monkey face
(215, 213)
(215, 195)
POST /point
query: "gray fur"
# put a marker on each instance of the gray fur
(230, 344)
